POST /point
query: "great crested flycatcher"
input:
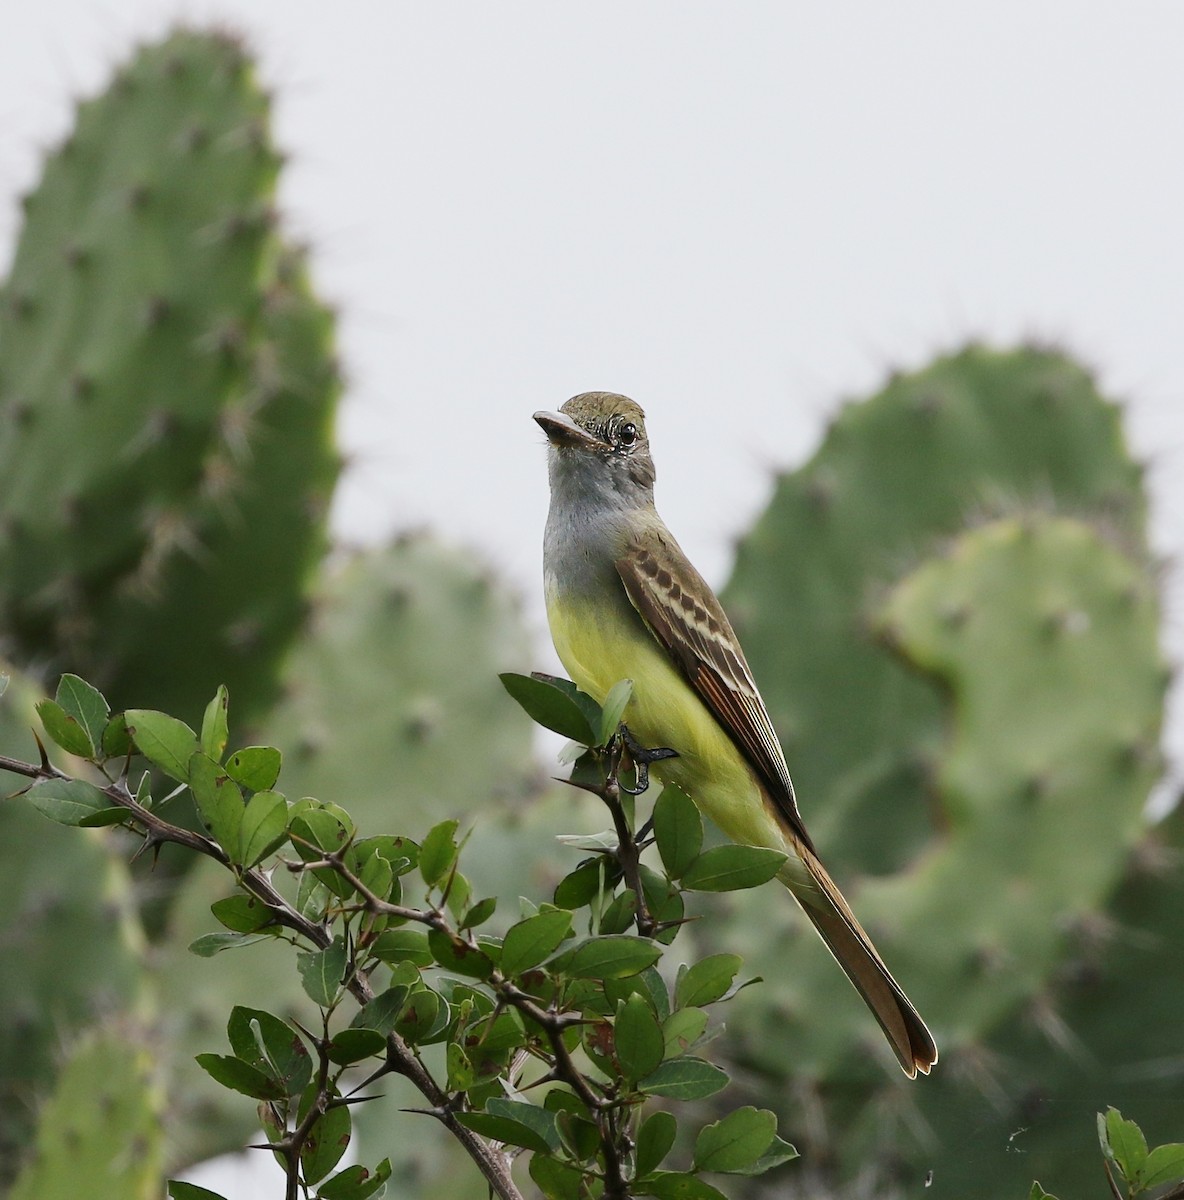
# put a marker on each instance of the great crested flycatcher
(624, 602)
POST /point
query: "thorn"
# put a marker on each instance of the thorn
(583, 787)
(41, 750)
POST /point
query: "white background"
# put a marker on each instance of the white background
(736, 213)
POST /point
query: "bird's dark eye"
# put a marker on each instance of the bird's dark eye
(626, 435)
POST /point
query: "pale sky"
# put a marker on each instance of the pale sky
(736, 213)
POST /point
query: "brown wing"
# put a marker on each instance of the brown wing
(684, 615)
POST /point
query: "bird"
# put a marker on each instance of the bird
(624, 601)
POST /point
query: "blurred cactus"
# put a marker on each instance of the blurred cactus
(168, 388)
(402, 649)
(99, 1134)
(991, 814)
(72, 945)
(951, 611)
(1105, 1030)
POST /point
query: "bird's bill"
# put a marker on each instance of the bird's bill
(561, 430)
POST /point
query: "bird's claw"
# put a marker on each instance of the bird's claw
(641, 758)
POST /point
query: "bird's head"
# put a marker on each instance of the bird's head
(600, 437)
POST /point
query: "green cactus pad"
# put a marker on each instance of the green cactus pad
(162, 374)
(99, 1134)
(1043, 637)
(391, 698)
(976, 434)
(1105, 1031)
(72, 945)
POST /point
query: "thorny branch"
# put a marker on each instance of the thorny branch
(493, 1164)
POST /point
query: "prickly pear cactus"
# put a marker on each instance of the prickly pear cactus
(391, 698)
(167, 388)
(970, 692)
(1105, 1031)
(72, 945)
(1044, 636)
(977, 434)
(99, 1133)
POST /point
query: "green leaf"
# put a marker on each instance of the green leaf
(461, 1073)
(637, 1037)
(420, 1016)
(779, 1151)
(214, 728)
(117, 742)
(531, 941)
(616, 956)
(706, 981)
(613, 709)
(219, 802)
(686, 1078)
(321, 972)
(353, 1045)
(504, 1032)
(179, 1190)
(1038, 1193)
(326, 1143)
(85, 704)
(316, 833)
(730, 868)
(255, 767)
(504, 1129)
(553, 706)
(541, 1120)
(555, 1179)
(458, 956)
(581, 885)
(270, 1045)
(381, 1014)
(678, 1185)
(210, 944)
(619, 915)
(163, 740)
(240, 1076)
(243, 914)
(650, 982)
(479, 913)
(678, 828)
(356, 1182)
(682, 1029)
(377, 876)
(1164, 1164)
(736, 1141)
(655, 1140)
(437, 852)
(1122, 1142)
(74, 802)
(65, 729)
(401, 852)
(263, 828)
(403, 945)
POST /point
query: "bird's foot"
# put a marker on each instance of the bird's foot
(641, 758)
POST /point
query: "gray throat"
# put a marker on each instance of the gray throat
(594, 514)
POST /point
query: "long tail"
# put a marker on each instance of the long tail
(831, 915)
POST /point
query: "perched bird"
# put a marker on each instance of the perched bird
(624, 602)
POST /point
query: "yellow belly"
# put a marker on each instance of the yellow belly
(598, 648)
